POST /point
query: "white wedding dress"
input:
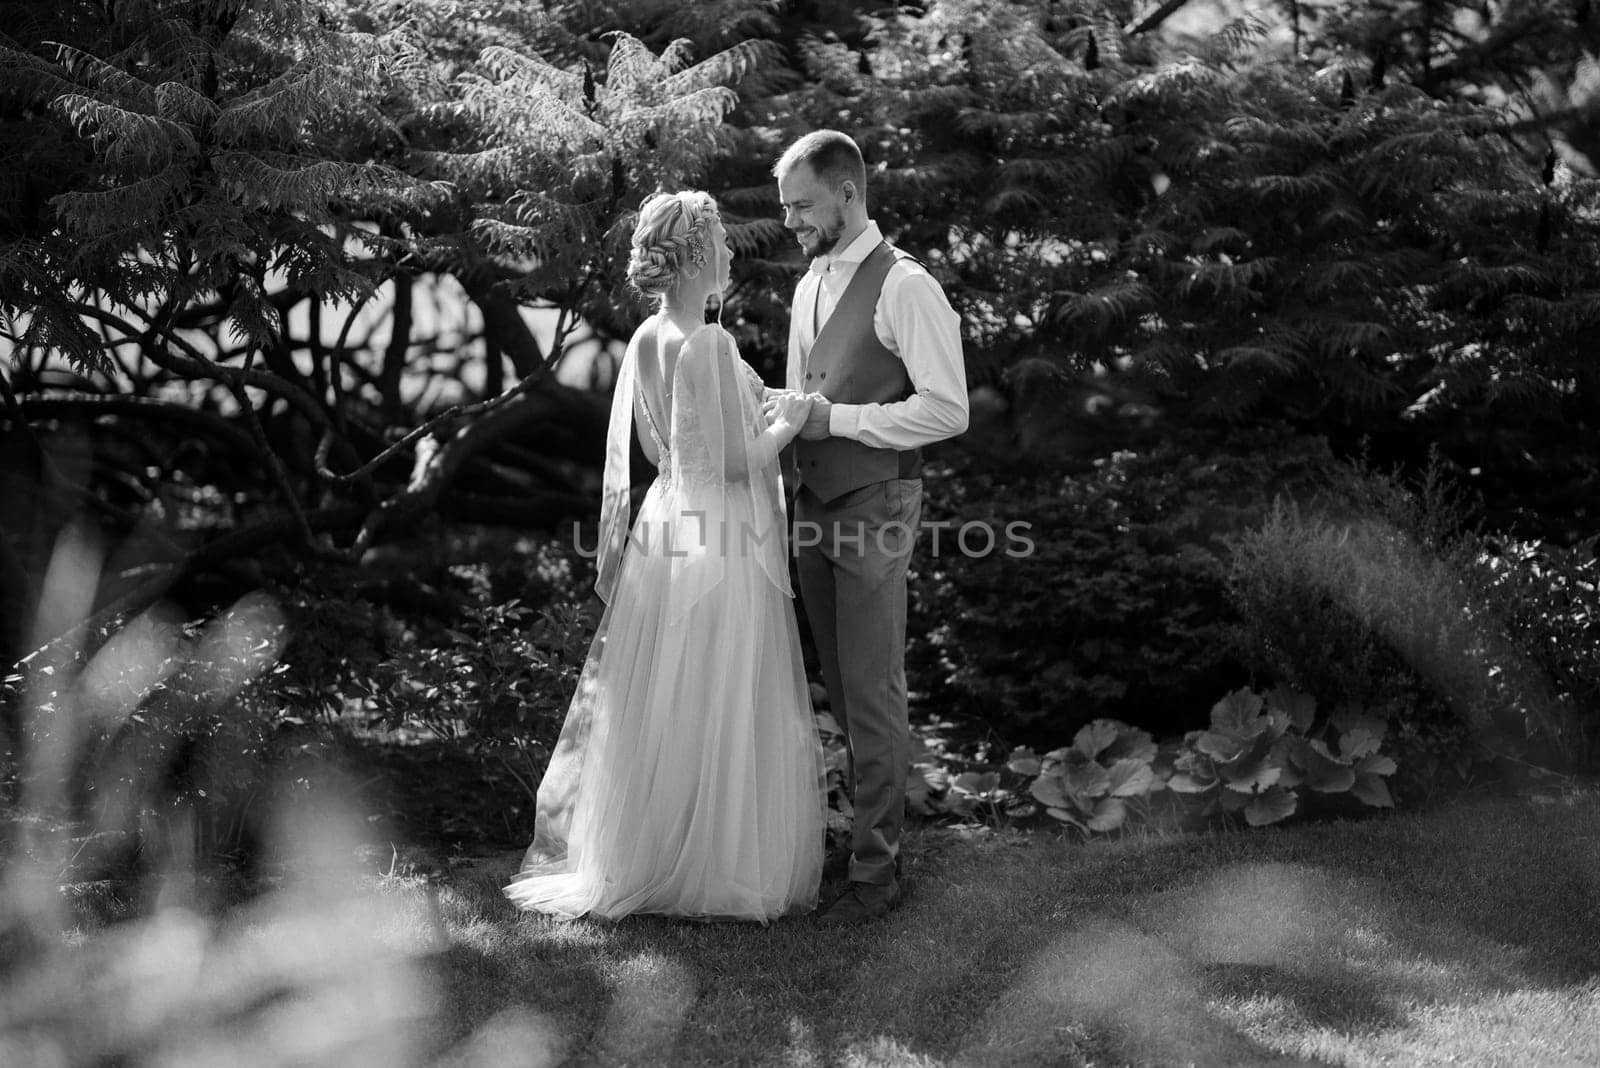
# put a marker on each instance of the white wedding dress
(688, 779)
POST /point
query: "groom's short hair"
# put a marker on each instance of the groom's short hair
(832, 157)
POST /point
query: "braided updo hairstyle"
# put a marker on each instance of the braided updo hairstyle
(669, 240)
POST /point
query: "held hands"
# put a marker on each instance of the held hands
(809, 414)
(787, 411)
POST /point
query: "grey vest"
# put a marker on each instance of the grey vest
(849, 365)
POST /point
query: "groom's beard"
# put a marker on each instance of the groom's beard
(821, 240)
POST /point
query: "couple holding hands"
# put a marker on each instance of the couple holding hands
(688, 778)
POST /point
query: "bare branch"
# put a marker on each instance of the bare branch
(1153, 20)
(143, 408)
(193, 365)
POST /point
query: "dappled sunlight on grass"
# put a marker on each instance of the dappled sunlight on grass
(1513, 1030)
(515, 1036)
(802, 1050)
(884, 1052)
(652, 994)
(1463, 934)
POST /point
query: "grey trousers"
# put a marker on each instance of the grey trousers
(853, 553)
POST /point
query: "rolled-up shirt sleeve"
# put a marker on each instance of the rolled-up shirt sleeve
(914, 320)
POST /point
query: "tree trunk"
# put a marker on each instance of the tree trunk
(505, 329)
(394, 357)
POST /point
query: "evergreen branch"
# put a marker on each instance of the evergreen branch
(529, 114)
(1237, 35)
(1309, 187)
(287, 183)
(32, 78)
(127, 138)
(1262, 357)
(177, 101)
(727, 67)
(511, 239)
(631, 65)
(1340, 337)
(136, 204)
(1107, 306)
(1178, 86)
(703, 107)
(1226, 280)
(281, 110)
(507, 65)
(1214, 239)
(97, 73)
(1300, 136)
(486, 168)
(750, 237)
(1339, 276)
(1013, 200)
(678, 55)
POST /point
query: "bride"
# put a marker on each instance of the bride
(688, 777)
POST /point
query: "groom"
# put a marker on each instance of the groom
(875, 342)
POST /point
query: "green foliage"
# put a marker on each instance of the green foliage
(222, 152)
(1120, 609)
(1090, 784)
(1354, 609)
(255, 187)
(1548, 598)
(1256, 759)
(498, 674)
(1245, 235)
(1260, 751)
(484, 653)
(305, 148)
(153, 717)
(1387, 604)
(1240, 231)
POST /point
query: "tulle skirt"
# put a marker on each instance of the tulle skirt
(688, 778)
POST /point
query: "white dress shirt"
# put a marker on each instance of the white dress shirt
(914, 321)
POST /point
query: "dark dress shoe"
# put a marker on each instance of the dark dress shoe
(861, 903)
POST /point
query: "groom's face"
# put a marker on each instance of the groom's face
(812, 210)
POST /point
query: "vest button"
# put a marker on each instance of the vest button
(808, 376)
(824, 374)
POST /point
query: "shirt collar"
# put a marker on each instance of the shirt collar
(853, 253)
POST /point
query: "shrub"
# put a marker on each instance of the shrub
(1357, 611)
(469, 635)
(1121, 609)
(1260, 751)
(1386, 602)
(1090, 783)
(500, 679)
(1548, 598)
(1257, 758)
(153, 725)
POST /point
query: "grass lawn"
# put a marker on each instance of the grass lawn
(1465, 935)
(1468, 935)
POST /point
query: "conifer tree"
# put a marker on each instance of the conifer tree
(1253, 237)
(232, 160)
